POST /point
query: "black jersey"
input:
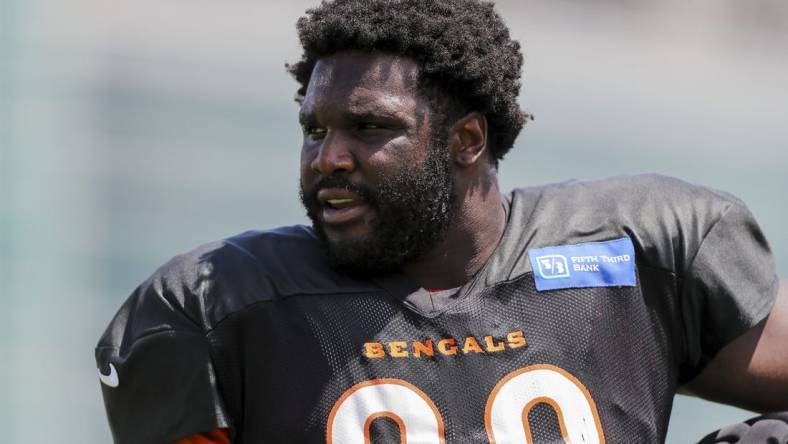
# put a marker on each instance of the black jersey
(601, 298)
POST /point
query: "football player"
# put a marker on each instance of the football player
(423, 305)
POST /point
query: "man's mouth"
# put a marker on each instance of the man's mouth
(340, 206)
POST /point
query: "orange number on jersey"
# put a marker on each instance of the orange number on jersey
(505, 415)
(416, 415)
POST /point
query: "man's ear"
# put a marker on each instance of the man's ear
(468, 139)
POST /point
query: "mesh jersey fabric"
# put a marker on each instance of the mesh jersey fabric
(256, 333)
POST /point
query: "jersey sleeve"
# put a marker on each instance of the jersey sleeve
(154, 362)
(730, 285)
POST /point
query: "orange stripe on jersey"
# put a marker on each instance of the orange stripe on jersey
(215, 436)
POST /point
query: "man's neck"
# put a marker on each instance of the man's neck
(477, 230)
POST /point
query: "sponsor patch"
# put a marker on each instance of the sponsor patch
(592, 264)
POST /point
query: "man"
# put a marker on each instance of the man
(424, 306)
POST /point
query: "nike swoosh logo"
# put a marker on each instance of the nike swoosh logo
(110, 380)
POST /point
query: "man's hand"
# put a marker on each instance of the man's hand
(770, 428)
(752, 371)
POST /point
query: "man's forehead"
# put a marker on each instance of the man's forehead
(364, 83)
(365, 70)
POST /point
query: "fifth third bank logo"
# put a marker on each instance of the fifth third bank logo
(553, 266)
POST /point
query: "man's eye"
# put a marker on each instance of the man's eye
(370, 126)
(313, 131)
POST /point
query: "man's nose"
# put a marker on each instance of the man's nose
(334, 155)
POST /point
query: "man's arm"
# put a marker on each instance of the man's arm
(154, 360)
(752, 371)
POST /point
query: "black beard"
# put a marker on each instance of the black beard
(413, 209)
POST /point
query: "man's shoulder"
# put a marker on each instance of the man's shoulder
(664, 216)
(222, 277)
(633, 190)
(276, 253)
(637, 199)
(254, 252)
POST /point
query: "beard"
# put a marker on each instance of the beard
(413, 209)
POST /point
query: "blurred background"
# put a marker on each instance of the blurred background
(132, 131)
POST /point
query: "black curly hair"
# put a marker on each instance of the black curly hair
(462, 47)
